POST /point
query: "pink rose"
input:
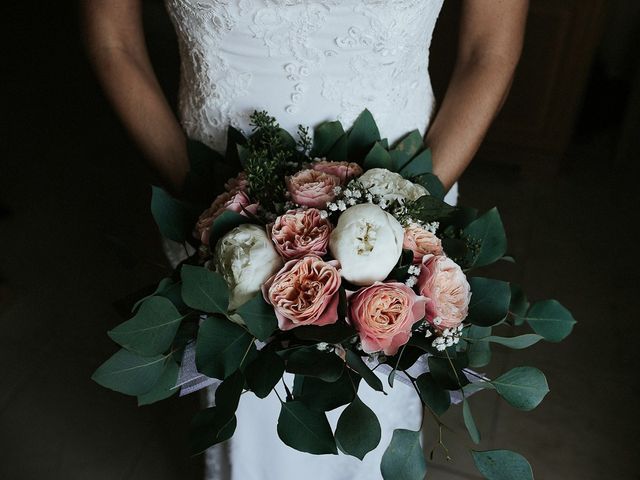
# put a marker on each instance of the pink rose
(304, 292)
(421, 242)
(237, 202)
(383, 314)
(343, 170)
(301, 232)
(312, 188)
(444, 284)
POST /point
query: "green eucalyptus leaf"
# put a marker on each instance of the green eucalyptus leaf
(325, 396)
(489, 231)
(312, 362)
(479, 353)
(164, 387)
(259, 317)
(210, 427)
(164, 284)
(264, 372)
(469, 422)
(335, 333)
(325, 136)
(551, 320)
(204, 290)
(421, 164)
(435, 397)
(522, 387)
(502, 465)
(378, 157)
(222, 347)
(429, 208)
(339, 152)
(235, 138)
(489, 303)
(305, 430)
(447, 372)
(129, 373)
(228, 394)
(175, 218)
(433, 185)
(406, 149)
(356, 363)
(517, 343)
(403, 458)
(519, 304)
(358, 431)
(362, 135)
(152, 330)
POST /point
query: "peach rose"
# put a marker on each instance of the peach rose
(343, 170)
(304, 292)
(312, 188)
(444, 284)
(383, 314)
(301, 232)
(237, 202)
(421, 242)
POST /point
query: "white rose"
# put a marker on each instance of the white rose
(391, 186)
(246, 258)
(367, 242)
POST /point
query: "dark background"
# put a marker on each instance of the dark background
(76, 235)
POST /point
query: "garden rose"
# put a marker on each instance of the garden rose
(421, 242)
(343, 170)
(312, 188)
(301, 232)
(304, 292)
(367, 241)
(391, 186)
(444, 284)
(383, 315)
(246, 258)
(237, 202)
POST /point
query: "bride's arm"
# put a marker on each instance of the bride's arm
(116, 46)
(490, 44)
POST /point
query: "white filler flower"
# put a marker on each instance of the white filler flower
(391, 186)
(246, 258)
(367, 242)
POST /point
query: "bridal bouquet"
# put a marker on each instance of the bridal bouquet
(328, 259)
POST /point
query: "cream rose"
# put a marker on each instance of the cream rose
(391, 186)
(367, 241)
(246, 258)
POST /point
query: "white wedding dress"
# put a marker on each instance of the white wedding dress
(304, 61)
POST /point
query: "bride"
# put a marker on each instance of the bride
(306, 61)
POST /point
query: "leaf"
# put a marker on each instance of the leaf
(522, 387)
(228, 394)
(325, 396)
(432, 395)
(151, 331)
(325, 136)
(175, 218)
(479, 353)
(519, 304)
(305, 430)
(419, 165)
(204, 290)
(164, 387)
(234, 138)
(335, 333)
(518, 343)
(429, 208)
(312, 362)
(551, 320)
(433, 185)
(259, 317)
(469, 422)
(208, 171)
(358, 431)
(406, 149)
(221, 347)
(338, 152)
(356, 363)
(129, 373)
(362, 135)
(378, 157)
(489, 303)
(167, 288)
(502, 465)
(403, 458)
(223, 224)
(210, 427)
(489, 231)
(264, 372)
(446, 376)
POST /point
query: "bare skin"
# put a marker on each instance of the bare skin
(490, 45)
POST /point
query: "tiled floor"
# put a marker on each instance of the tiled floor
(76, 190)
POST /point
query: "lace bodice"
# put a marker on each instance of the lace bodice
(304, 61)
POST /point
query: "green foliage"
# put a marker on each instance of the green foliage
(129, 373)
(325, 396)
(223, 224)
(312, 362)
(362, 135)
(518, 343)
(339, 152)
(489, 231)
(358, 431)
(479, 353)
(356, 363)
(175, 218)
(164, 387)
(469, 422)
(334, 333)
(378, 157)
(221, 347)
(204, 290)
(489, 303)
(433, 395)
(522, 387)
(519, 304)
(421, 164)
(151, 331)
(210, 427)
(264, 372)
(432, 183)
(429, 209)
(447, 372)
(305, 430)
(325, 136)
(259, 317)
(502, 465)
(406, 149)
(551, 320)
(403, 458)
